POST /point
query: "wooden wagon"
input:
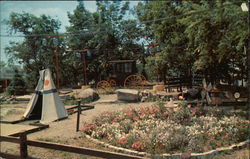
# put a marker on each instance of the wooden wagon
(124, 73)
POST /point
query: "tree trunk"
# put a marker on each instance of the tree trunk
(248, 62)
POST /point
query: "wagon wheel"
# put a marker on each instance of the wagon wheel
(103, 86)
(142, 77)
(134, 81)
(112, 83)
(144, 81)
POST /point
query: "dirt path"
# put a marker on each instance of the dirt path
(12, 111)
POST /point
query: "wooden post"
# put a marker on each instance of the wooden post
(78, 115)
(5, 83)
(23, 145)
(85, 69)
(248, 61)
(57, 69)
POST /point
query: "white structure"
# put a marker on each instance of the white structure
(45, 103)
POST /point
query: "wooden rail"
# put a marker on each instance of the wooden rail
(24, 143)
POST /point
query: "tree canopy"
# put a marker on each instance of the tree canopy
(34, 52)
(196, 37)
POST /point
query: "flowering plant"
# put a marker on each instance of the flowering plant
(158, 129)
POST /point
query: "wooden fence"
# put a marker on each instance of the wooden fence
(24, 143)
(182, 82)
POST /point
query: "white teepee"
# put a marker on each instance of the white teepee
(45, 103)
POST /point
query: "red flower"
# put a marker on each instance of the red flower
(151, 110)
(122, 141)
(117, 119)
(137, 145)
(143, 111)
(89, 128)
(129, 113)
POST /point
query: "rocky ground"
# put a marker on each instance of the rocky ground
(65, 131)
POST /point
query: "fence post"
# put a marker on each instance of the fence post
(78, 115)
(23, 145)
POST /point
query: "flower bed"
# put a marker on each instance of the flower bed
(157, 129)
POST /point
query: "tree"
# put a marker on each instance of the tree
(218, 36)
(81, 29)
(17, 85)
(107, 41)
(2, 64)
(36, 51)
(160, 18)
(198, 36)
(105, 35)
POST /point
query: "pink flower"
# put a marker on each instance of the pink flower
(136, 118)
(165, 113)
(203, 118)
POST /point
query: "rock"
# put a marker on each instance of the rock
(128, 95)
(88, 94)
(65, 90)
(159, 88)
(170, 104)
(86, 86)
(144, 98)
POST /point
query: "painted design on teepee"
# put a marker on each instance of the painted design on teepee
(46, 83)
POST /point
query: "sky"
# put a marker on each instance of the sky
(55, 9)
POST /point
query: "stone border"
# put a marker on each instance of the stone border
(210, 153)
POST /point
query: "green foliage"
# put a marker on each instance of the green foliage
(2, 64)
(73, 101)
(103, 32)
(217, 38)
(170, 34)
(35, 52)
(17, 85)
(206, 36)
(196, 36)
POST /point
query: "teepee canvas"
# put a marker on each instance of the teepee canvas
(45, 103)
